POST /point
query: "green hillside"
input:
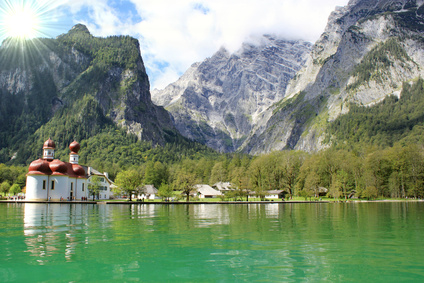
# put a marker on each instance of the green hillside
(384, 124)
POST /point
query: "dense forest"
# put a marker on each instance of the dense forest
(396, 172)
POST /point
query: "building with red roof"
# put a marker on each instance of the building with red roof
(52, 179)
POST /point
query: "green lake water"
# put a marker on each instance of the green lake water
(353, 242)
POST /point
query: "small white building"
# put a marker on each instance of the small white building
(223, 187)
(106, 184)
(206, 191)
(272, 194)
(55, 180)
(148, 192)
(275, 194)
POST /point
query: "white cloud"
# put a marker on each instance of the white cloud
(100, 18)
(175, 34)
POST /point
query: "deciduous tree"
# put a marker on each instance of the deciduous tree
(128, 181)
(15, 189)
(165, 191)
(185, 183)
(4, 187)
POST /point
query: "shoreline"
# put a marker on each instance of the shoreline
(204, 202)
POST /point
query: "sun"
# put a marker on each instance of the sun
(32, 19)
(22, 22)
(28, 19)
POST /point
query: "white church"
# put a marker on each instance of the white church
(55, 180)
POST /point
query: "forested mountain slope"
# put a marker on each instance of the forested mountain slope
(76, 86)
(394, 120)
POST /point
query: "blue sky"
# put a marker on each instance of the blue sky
(175, 34)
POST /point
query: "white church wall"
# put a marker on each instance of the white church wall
(58, 188)
(82, 188)
(34, 187)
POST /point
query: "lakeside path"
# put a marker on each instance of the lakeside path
(204, 202)
(160, 202)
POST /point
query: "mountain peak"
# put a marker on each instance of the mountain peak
(77, 31)
(80, 28)
(218, 101)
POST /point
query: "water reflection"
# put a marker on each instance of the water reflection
(50, 228)
(272, 242)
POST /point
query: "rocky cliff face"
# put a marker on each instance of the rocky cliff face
(44, 79)
(368, 50)
(220, 100)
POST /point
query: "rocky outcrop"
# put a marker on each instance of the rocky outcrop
(220, 100)
(368, 50)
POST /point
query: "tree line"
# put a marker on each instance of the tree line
(395, 172)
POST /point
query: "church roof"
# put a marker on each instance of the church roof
(74, 147)
(49, 144)
(57, 167)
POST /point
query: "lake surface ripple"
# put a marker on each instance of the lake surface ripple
(373, 242)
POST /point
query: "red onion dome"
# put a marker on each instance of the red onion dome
(74, 147)
(58, 167)
(39, 167)
(49, 144)
(78, 170)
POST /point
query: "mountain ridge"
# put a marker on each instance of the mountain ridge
(272, 95)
